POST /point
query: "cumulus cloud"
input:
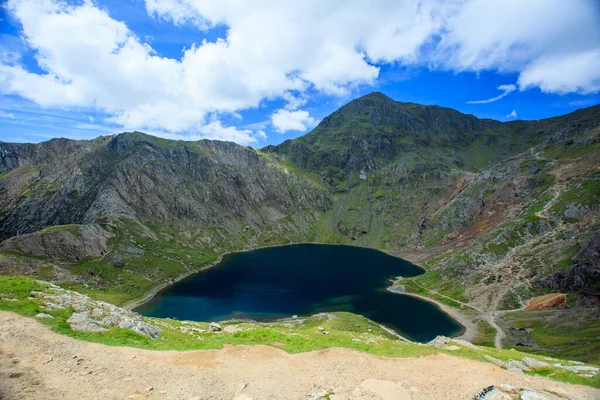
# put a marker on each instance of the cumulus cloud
(512, 114)
(286, 50)
(506, 89)
(286, 120)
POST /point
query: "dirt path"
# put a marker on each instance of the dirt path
(36, 363)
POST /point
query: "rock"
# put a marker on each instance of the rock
(522, 337)
(533, 363)
(371, 341)
(517, 365)
(231, 329)
(81, 322)
(43, 315)
(493, 360)
(97, 313)
(498, 392)
(439, 341)
(214, 327)
(356, 340)
(452, 348)
(321, 328)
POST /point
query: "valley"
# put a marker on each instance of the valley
(496, 213)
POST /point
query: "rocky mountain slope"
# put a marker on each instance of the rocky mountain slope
(496, 212)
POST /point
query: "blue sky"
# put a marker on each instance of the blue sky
(268, 71)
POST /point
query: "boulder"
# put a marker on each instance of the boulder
(533, 363)
(81, 322)
(214, 327)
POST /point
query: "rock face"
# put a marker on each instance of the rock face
(547, 301)
(133, 175)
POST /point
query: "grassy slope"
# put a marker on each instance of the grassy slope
(342, 328)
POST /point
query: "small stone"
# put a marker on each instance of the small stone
(296, 317)
(321, 328)
(214, 327)
(43, 315)
(356, 340)
(452, 348)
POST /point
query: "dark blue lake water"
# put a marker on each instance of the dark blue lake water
(304, 279)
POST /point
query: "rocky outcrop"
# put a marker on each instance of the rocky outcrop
(584, 275)
(71, 242)
(94, 316)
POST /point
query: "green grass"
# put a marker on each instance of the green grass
(301, 337)
(557, 329)
(586, 194)
(485, 334)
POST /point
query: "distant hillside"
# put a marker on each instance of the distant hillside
(496, 212)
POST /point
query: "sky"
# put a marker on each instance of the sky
(263, 71)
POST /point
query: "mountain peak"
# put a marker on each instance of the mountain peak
(375, 96)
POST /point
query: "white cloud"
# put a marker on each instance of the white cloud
(506, 89)
(293, 102)
(286, 50)
(580, 73)
(512, 114)
(6, 115)
(286, 120)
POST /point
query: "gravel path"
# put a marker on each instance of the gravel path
(36, 363)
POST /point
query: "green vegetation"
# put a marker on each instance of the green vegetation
(485, 334)
(344, 330)
(587, 194)
(567, 334)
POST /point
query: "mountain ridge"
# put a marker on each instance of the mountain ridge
(496, 212)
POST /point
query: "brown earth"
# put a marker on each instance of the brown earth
(547, 301)
(36, 363)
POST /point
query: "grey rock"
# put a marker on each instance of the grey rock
(214, 327)
(494, 360)
(81, 322)
(534, 363)
(43, 315)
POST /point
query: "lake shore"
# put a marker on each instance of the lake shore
(469, 327)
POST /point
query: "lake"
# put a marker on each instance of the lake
(303, 279)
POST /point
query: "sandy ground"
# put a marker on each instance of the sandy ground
(36, 363)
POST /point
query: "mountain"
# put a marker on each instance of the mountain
(497, 213)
